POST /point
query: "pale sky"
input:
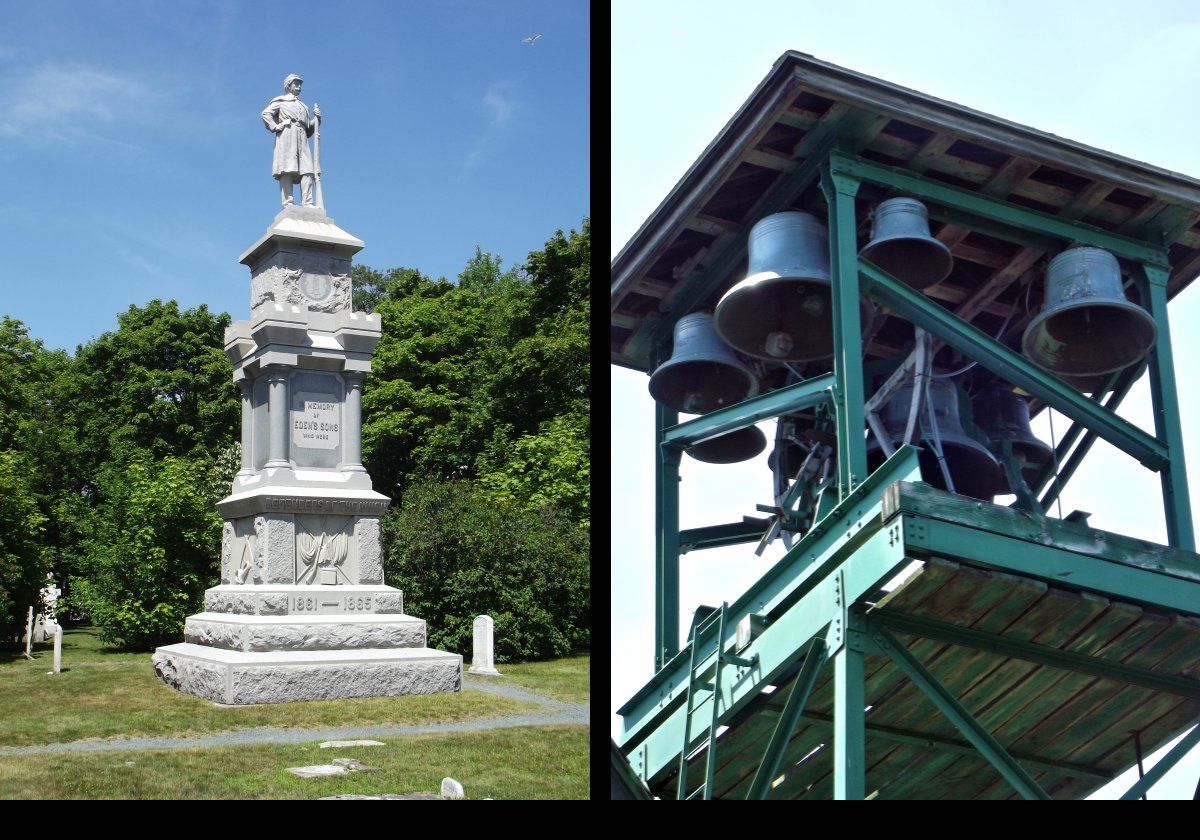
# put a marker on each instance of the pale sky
(1113, 75)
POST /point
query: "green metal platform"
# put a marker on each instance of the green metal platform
(1028, 626)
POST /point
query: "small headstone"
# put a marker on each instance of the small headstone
(316, 770)
(353, 764)
(451, 789)
(57, 649)
(384, 796)
(29, 635)
(483, 660)
(325, 745)
(337, 768)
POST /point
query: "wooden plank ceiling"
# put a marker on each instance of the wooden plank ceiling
(702, 226)
(1071, 731)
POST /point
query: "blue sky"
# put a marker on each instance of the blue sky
(1116, 75)
(136, 166)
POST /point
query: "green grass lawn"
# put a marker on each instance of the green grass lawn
(568, 680)
(538, 762)
(104, 693)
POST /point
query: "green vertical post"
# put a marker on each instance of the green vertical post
(666, 540)
(847, 330)
(849, 716)
(1167, 427)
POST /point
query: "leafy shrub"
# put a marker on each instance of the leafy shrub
(459, 552)
(155, 552)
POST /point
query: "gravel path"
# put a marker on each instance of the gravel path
(556, 712)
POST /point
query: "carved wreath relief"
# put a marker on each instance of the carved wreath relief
(306, 284)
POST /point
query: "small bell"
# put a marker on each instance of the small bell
(902, 246)
(703, 374)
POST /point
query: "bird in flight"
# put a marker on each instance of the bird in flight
(531, 39)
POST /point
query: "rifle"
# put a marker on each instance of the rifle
(317, 154)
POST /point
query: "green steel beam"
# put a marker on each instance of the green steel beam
(971, 221)
(1176, 504)
(1119, 386)
(997, 209)
(792, 711)
(979, 737)
(847, 331)
(796, 397)
(849, 715)
(1042, 655)
(666, 541)
(1052, 564)
(1168, 761)
(847, 555)
(919, 739)
(719, 536)
(929, 504)
(1011, 366)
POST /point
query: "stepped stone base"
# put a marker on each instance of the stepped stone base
(304, 632)
(238, 677)
(291, 599)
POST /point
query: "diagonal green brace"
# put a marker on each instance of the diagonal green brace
(788, 720)
(1168, 761)
(979, 737)
(1011, 366)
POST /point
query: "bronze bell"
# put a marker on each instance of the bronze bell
(703, 374)
(1087, 326)
(1004, 416)
(731, 447)
(902, 246)
(973, 469)
(782, 311)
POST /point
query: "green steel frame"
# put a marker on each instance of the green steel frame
(851, 550)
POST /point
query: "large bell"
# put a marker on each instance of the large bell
(973, 469)
(1087, 326)
(782, 311)
(703, 374)
(1004, 416)
(902, 246)
(731, 447)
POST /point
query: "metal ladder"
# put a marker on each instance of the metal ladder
(699, 627)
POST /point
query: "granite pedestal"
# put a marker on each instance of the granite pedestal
(302, 612)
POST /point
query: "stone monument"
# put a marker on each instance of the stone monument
(302, 612)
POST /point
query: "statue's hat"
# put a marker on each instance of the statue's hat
(289, 78)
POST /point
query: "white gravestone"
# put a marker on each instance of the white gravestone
(483, 660)
(29, 635)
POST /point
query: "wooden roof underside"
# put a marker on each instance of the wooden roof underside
(704, 221)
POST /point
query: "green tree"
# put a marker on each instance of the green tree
(458, 552)
(22, 558)
(551, 468)
(160, 384)
(155, 551)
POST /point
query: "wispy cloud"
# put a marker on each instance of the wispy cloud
(72, 103)
(501, 108)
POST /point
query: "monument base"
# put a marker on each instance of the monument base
(283, 643)
(236, 677)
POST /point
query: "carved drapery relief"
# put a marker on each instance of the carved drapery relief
(322, 542)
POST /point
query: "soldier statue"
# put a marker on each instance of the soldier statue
(288, 118)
